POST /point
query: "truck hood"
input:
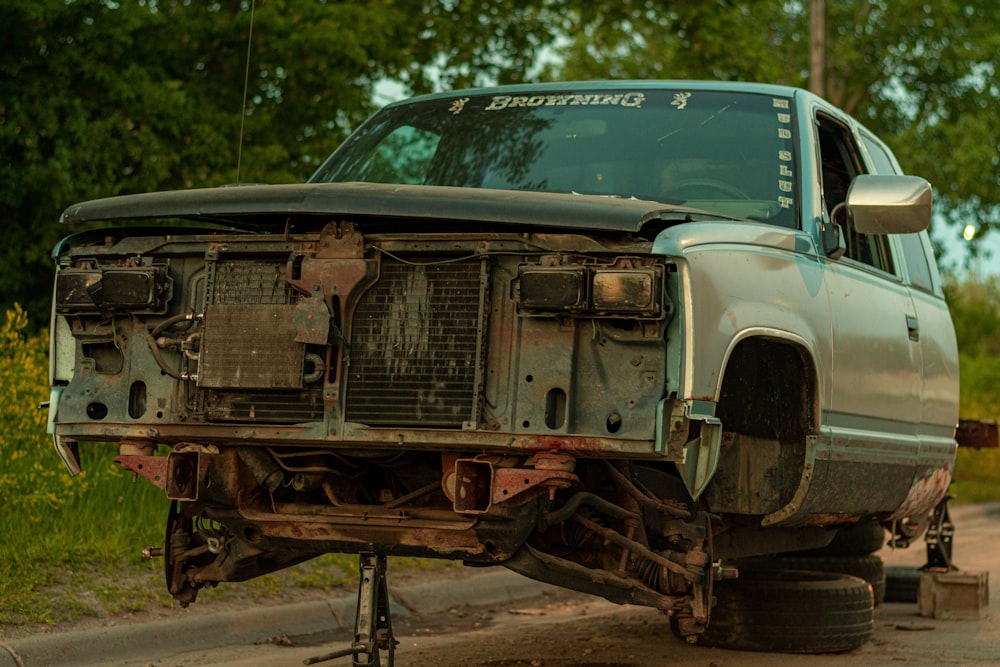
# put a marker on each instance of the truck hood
(265, 208)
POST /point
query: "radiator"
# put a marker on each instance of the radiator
(415, 353)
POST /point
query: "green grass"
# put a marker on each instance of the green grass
(51, 546)
(977, 476)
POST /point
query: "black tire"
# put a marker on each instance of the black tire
(869, 568)
(902, 583)
(856, 539)
(790, 611)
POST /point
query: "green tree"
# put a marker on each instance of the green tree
(107, 97)
(975, 311)
(924, 76)
(647, 39)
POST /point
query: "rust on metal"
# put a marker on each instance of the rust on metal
(925, 493)
(312, 321)
(480, 485)
(511, 482)
(178, 474)
(566, 443)
(153, 468)
(553, 461)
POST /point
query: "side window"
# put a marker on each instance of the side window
(880, 157)
(916, 261)
(841, 162)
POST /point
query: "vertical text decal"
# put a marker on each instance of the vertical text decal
(785, 174)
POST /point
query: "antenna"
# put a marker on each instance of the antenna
(246, 84)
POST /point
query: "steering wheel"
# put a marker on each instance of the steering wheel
(719, 186)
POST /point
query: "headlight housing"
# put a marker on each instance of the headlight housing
(112, 289)
(593, 291)
(553, 289)
(626, 291)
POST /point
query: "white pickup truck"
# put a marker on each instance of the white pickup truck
(677, 344)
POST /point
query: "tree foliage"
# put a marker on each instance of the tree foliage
(924, 76)
(106, 97)
(975, 311)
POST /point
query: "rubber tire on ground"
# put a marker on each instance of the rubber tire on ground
(869, 568)
(856, 539)
(790, 611)
(902, 583)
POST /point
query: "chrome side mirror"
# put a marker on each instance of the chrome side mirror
(889, 204)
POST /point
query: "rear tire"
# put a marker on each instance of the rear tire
(902, 583)
(790, 611)
(869, 568)
(856, 539)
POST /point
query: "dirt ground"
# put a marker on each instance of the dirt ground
(564, 629)
(150, 602)
(572, 630)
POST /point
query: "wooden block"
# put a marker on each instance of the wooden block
(961, 595)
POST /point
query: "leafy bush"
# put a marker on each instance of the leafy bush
(56, 526)
(27, 483)
(975, 310)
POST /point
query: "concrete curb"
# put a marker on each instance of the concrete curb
(141, 643)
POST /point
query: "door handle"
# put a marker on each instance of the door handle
(912, 328)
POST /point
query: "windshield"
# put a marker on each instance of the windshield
(724, 152)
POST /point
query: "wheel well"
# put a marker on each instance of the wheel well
(769, 391)
(768, 407)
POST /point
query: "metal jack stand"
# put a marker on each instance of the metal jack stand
(939, 537)
(372, 625)
(946, 591)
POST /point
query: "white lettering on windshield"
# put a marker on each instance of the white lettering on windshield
(500, 102)
(457, 105)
